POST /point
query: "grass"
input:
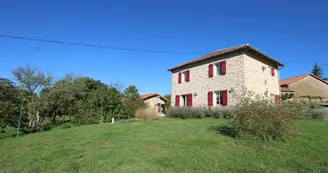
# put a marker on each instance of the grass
(167, 145)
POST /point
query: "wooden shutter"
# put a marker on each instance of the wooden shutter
(224, 68)
(188, 75)
(210, 98)
(272, 71)
(277, 98)
(179, 77)
(177, 100)
(210, 70)
(189, 101)
(225, 98)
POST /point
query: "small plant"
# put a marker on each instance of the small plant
(146, 114)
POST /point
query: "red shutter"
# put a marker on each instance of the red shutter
(188, 75)
(224, 67)
(210, 98)
(272, 71)
(177, 100)
(189, 101)
(277, 98)
(225, 98)
(210, 70)
(179, 77)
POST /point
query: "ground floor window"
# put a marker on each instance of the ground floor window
(219, 97)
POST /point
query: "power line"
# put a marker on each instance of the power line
(95, 46)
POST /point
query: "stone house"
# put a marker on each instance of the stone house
(155, 101)
(221, 78)
(307, 86)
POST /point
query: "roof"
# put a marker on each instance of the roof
(285, 89)
(227, 51)
(151, 95)
(291, 80)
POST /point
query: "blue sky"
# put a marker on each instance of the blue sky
(293, 32)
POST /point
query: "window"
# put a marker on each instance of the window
(185, 76)
(219, 97)
(218, 68)
(185, 100)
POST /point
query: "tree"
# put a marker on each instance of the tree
(10, 101)
(132, 101)
(31, 79)
(168, 103)
(317, 70)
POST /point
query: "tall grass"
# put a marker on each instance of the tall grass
(146, 114)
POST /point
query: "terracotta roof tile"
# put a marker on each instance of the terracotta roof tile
(150, 95)
(285, 89)
(225, 51)
(297, 78)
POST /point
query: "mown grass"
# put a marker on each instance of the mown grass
(166, 145)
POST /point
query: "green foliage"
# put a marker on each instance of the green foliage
(287, 96)
(131, 101)
(168, 103)
(262, 118)
(31, 78)
(198, 112)
(9, 103)
(317, 70)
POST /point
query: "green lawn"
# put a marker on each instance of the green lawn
(166, 145)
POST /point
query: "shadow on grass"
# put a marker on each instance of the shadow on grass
(224, 130)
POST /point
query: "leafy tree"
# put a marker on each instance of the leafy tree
(168, 103)
(10, 101)
(31, 79)
(132, 101)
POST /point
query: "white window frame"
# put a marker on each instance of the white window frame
(218, 66)
(218, 95)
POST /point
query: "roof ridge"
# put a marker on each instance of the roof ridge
(307, 74)
(223, 52)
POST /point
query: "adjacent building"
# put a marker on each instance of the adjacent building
(220, 78)
(307, 86)
(155, 101)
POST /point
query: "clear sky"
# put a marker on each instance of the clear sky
(293, 32)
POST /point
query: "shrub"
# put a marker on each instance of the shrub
(265, 119)
(146, 114)
(318, 114)
(198, 112)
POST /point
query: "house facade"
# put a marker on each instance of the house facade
(155, 101)
(222, 77)
(307, 86)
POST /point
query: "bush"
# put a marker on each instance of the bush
(146, 114)
(198, 112)
(265, 119)
(318, 114)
